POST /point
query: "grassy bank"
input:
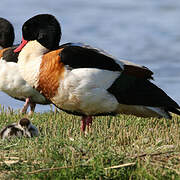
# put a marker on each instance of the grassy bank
(122, 147)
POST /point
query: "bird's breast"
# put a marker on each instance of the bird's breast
(50, 74)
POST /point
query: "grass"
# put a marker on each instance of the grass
(122, 147)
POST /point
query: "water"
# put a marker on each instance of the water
(144, 32)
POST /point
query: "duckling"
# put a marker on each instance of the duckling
(22, 128)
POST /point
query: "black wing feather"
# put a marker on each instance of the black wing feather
(131, 90)
(82, 57)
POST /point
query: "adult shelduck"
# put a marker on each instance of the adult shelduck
(22, 128)
(85, 81)
(11, 82)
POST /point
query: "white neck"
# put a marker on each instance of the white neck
(29, 61)
(33, 48)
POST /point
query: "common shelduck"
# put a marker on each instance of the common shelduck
(22, 128)
(11, 82)
(85, 81)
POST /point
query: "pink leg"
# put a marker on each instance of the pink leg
(86, 121)
(89, 121)
(83, 124)
(26, 105)
(32, 108)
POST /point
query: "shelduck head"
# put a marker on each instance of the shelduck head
(6, 33)
(43, 28)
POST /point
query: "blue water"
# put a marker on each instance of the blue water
(144, 32)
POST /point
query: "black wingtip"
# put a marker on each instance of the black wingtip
(174, 110)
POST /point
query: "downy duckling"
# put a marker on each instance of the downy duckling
(22, 128)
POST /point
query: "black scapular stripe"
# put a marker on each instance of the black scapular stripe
(82, 57)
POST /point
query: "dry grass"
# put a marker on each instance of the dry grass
(122, 147)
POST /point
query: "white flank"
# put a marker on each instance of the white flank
(85, 90)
